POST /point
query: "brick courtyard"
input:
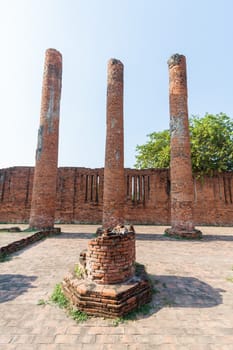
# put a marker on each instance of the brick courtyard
(191, 309)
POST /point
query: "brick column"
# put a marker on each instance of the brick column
(45, 176)
(182, 188)
(113, 197)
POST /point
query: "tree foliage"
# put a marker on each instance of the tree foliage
(155, 153)
(211, 140)
(211, 143)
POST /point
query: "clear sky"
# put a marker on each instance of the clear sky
(143, 34)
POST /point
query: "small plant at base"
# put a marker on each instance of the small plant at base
(42, 302)
(79, 271)
(144, 309)
(132, 315)
(118, 321)
(30, 230)
(229, 279)
(58, 297)
(152, 282)
(77, 315)
(177, 237)
(138, 267)
(167, 302)
(4, 257)
(155, 290)
(181, 238)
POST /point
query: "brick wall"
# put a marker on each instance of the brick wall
(80, 196)
(15, 194)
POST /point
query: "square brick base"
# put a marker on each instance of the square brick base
(180, 233)
(112, 300)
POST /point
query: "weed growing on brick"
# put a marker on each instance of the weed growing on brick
(133, 315)
(79, 271)
(78, 315)
(59, 299)
(4, 257)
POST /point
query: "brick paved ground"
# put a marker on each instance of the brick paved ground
(7, 238)
(193, 309)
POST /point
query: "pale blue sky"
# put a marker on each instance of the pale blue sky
(143, 34)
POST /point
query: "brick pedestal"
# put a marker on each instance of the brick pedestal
(110, 284)
(114, 190)
(182, 189)
(111, 259)
(45, 176)
(110, 300)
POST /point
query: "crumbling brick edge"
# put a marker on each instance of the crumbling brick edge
(108, 300)
(24, 242)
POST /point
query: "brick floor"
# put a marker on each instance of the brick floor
(191, 309)
(9, 237)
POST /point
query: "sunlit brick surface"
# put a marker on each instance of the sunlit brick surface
(113, 198)
(44, 187)
(182, 189)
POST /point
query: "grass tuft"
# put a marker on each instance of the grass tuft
(58, 297)
(4, 257)
(77, 315)
(29, 229)
(79, 271)
(133, 315)
(229, 279)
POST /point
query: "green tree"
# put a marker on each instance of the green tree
(211, 140)
(211, 143)
(155, 153)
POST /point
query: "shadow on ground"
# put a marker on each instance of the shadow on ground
(190, 292)
(11, 286)
(182, 292)
(75, 235)
(162, 237)
(151, 237)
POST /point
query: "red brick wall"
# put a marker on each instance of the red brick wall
(80, 196)
(15, 194)
(147, 196)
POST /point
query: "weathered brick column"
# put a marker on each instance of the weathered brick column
(113, 197)
(108, 283)
(45, 176)
(182, 189)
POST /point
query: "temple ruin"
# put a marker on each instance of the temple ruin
(147, 196)
(109, 281)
